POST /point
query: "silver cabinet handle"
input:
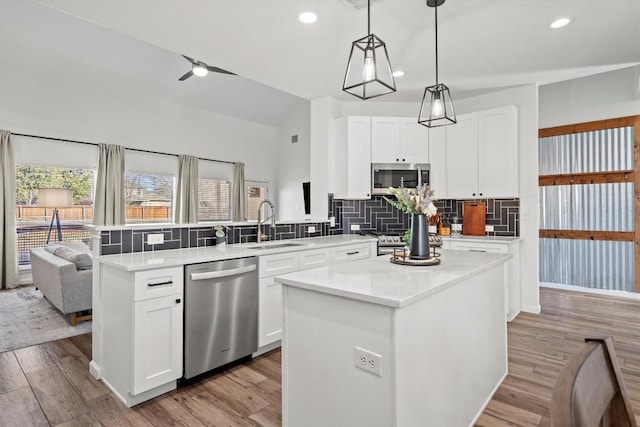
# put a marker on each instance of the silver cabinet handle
(222, 273)
(477, 250)
(353, 253)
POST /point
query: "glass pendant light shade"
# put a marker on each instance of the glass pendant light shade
(369, 72)
(437, 107)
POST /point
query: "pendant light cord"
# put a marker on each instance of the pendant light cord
(436, 11)
(368, 17)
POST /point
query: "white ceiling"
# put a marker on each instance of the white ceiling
(484, 45)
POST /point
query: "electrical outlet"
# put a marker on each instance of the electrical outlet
(355, 227)
(311, 229)
(155, 239)
(332, 221)
(488, 228)
(368, 360)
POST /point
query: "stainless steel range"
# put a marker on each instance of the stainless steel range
(387, 242)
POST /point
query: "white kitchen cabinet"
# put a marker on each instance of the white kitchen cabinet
(482, 155)
(398, 140)
(157, 358)
(142, 331)
(512, 284)
(438, 161)
(385, 140)
(351, 165)
(270, 305)
(350, 253)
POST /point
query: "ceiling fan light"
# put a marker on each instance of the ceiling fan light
(200, 70)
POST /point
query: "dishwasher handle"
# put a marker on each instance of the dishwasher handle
(222, 273)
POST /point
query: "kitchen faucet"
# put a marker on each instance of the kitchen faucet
(261, 236)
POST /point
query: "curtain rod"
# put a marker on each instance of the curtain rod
(126, 148)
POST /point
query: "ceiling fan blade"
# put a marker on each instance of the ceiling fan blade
(186, 76)
(220, 70)
(193, 61)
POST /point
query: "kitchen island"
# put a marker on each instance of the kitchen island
(370, 343)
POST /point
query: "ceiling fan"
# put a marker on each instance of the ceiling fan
(201, 69)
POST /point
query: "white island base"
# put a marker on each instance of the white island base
(440, 332)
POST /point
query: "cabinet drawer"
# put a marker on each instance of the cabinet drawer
(314, 258)
(350, 253)
(272, 265)
(158, 283)
(480, 247)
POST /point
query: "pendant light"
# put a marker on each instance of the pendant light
(437, 105)
(369, 71)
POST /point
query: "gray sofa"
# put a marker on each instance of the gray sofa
(66, 283)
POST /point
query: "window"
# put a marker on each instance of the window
(33, 220)
(256, 193)
(148, 197)
(214, 199)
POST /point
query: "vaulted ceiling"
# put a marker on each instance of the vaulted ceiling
(483, 45)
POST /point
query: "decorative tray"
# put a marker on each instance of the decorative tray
(401, 257)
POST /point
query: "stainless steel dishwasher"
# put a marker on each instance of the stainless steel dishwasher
(220, 313)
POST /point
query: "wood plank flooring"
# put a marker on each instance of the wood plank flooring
(50, 385)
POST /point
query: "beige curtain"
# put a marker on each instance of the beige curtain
(187, 196)
(238, 205)
(109, 203)
(8, 249)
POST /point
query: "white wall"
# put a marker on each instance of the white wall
(598, 97)
(84, 110)
(293, 163)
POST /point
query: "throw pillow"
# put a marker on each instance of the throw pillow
(82, 260)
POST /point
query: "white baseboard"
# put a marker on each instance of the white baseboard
(623, 294)
(533, 309)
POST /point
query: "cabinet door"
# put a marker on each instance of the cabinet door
(414, 137)
(157, 348)
(359, 158)
(385, 140)
(270, 312)
(438, 161)
(462, 158)
(498, 152)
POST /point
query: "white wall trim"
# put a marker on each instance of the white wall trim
(621, 294)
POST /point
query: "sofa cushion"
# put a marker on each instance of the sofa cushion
(82, 260)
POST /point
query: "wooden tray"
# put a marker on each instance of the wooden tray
(400, 257)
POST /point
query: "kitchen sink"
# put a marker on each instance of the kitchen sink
(276, 246)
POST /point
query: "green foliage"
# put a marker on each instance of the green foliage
(407, 238)
(29, 179)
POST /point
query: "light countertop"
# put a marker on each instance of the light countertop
(378, 281)
(177, 257)
(487, 239)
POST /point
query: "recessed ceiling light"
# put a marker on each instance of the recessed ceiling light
(398, 73)
(559, 23)
(308, 17)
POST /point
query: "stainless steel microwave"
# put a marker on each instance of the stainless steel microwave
(398, 175)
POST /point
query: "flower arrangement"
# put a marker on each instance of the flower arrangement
(416, 201)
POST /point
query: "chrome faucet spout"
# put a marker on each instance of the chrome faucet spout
(262, 236)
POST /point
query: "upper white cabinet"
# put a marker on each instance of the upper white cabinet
(352, 158)
(482, 155)
(438, 161)
(398, 140)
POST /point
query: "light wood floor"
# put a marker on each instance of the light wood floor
(49, 384)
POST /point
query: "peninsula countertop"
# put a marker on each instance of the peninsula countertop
(177, 257)
(378, 281)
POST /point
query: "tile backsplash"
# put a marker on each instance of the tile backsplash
(378, 215)
(128, 241)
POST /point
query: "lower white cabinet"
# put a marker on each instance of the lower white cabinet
(270, 306)
(142, 334)
(512, 283)
(157, 357)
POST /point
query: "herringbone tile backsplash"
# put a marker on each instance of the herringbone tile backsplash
(378, 215)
